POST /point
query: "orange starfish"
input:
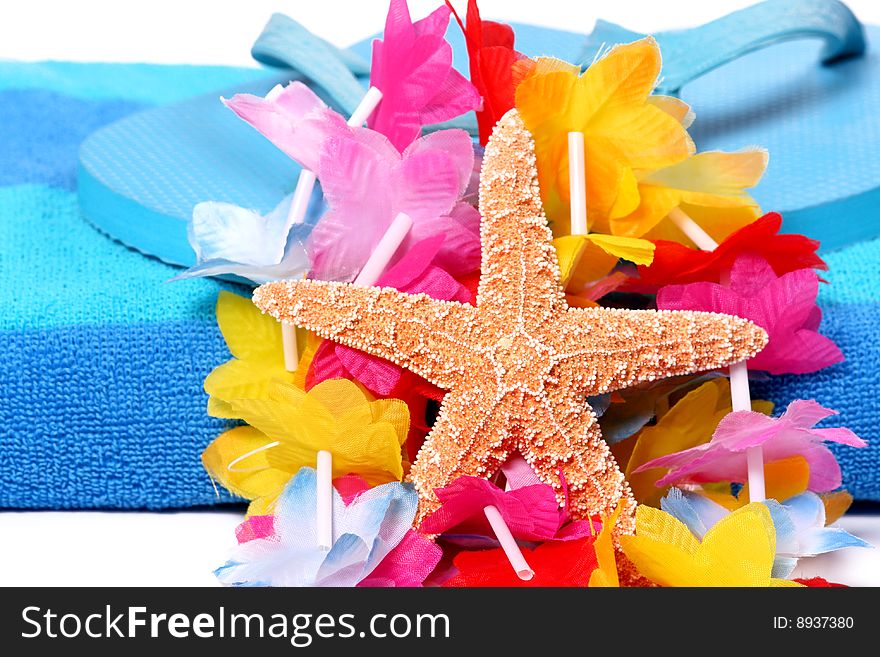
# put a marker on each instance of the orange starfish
(519, 365)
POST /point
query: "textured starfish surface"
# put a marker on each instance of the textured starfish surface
(519, 366)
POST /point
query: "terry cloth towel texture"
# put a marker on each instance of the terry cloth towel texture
(102, 403)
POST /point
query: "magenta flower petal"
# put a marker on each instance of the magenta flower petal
(793, 434)
(413, 266)
(408, 564)
(350, 486)
(417, 273)
(532, 513)
(332, 361)
(784, 306)
(412, 67)
(453, 98)
(434, 24)
(579, 529)
(459, 254)
(326, 364)
(377, 375)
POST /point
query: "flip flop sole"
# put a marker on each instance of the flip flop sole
(140, 177)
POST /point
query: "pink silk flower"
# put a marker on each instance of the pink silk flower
(367, 182)
(792, 434)
(408, 564)
(293, 118)
(412, 67)
(532, 513)
(784, 306)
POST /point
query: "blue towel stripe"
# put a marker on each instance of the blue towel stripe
(109, 416)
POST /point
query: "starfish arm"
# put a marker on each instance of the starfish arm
(605, 349)
(468, 438)
(564, 445)
(520, 272)
(424, 335)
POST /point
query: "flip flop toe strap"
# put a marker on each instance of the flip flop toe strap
(688, 54)
(285, 43)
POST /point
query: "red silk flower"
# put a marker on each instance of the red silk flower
(558, 563)
(492, 58)
(677, 264)
(819, 583)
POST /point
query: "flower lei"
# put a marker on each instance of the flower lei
(682, 447)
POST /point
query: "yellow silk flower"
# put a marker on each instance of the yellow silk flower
(640, 160)
(737, 551)
(365, 438)
(254, 339)
(623, 132)
(605, 575)
(587, 258)
(689, 423)
(709, 187)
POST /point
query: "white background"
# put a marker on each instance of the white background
(222, 31)
(182, 548)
